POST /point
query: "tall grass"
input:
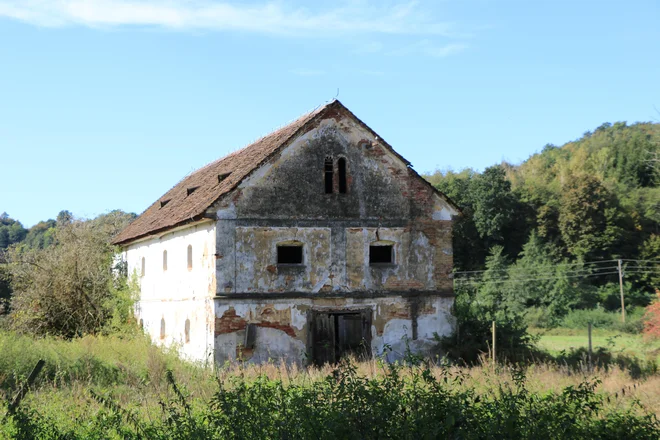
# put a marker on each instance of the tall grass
(111, 387)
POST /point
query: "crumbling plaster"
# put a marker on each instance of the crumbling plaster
(284, 200)
(283, 326)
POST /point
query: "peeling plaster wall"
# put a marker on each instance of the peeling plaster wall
(285, 200)
(282, 326)
(177, 294)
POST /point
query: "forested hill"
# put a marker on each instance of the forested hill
(591, 200)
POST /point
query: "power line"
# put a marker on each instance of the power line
(520, 280)
(554, 265)
(546, 270)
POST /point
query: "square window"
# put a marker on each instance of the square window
(287, 254)
(381, 254)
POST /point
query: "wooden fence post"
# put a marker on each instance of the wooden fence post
(590, 348)
(23, 389)
(494, 354)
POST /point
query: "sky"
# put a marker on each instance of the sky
(106, 104)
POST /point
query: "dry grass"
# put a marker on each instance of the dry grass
(132, 372)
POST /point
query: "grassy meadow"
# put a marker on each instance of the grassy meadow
(555, 341)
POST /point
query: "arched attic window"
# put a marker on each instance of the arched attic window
(329, 172)
(341, 171)
(190, 259)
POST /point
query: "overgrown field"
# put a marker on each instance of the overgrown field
(114, 387)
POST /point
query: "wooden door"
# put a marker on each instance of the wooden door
(323, 349)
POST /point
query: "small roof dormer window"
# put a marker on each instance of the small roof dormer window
(191, 190)
(164, 202)
(222, 177)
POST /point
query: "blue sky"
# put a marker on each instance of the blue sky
(106, 104)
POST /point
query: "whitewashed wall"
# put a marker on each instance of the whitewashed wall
(178, 293)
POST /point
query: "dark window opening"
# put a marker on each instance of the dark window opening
(250, 336)
(222, 177)
(288, 254)
(381, 254)
(337, 334)
(329, 174)
(341, 166)
(191, 190)
(164, 202)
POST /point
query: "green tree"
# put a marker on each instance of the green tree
(68, 288)
(40, 236)
(11, 231)
(493, 204)
(589, 218)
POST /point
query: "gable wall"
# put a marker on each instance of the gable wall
(285, 200)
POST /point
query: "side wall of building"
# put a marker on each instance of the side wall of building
(176, 273)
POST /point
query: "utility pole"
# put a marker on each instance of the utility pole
(623, 304)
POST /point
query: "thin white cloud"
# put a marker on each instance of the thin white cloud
(429, 48)
(271, 17)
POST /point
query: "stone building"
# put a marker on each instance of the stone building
(315, 241)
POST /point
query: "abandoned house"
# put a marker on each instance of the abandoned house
(316, 241)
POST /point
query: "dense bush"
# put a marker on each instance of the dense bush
(69, 288)
(473, 335)
(402, 403)
(600, 318)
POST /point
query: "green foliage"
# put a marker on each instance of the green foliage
(589, 218)
(69, 288)
(594, 199)
(609, 296)
(601, 318)
(40, 236)
(11, 231)
(475, 309)
(492, 215)
(402, 403)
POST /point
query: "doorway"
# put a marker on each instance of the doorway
(337, 333)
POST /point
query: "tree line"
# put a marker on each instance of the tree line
(542, 238)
